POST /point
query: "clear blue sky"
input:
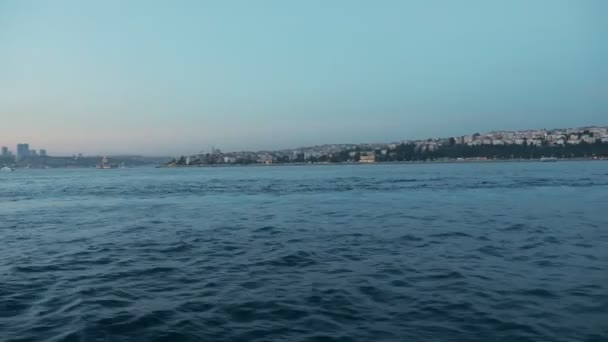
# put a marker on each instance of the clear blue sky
(169, 77)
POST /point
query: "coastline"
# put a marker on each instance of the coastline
(466, 161)
(226, 165)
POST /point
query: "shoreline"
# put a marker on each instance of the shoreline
(481, 161)
(432, 162)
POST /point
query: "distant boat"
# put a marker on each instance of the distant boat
(105, 165)
(6, 169)
(548, 159)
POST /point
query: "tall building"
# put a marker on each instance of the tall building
(23, 150)
(5, 151)
(42, 153)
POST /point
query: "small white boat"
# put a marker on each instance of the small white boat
(548, 159)
(6, 169)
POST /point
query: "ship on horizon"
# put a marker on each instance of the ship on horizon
(104, 164)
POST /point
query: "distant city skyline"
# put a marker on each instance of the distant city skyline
(170, 78)
(585, 143)
(21, 150)
(562, 136)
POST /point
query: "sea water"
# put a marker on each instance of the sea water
(411, 252)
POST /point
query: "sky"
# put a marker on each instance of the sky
(175, 77)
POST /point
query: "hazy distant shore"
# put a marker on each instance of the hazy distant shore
(382, 163)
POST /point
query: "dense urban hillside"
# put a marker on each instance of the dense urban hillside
(588, 142)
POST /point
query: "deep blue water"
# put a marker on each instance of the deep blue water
(435, 252)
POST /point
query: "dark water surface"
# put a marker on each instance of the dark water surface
(440, 252)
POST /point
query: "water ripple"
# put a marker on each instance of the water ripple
(496, 252)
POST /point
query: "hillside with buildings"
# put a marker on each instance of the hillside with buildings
(584, 142)
(567, 143)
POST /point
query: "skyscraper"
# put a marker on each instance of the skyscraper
(42, 153)
(4, 151)
(23, 150)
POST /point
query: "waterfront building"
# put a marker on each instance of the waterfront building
(265, 159)
(367, 159)
(42, 153)
(5, 151)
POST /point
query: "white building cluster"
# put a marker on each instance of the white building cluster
(542, 137)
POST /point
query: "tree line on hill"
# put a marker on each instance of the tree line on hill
(409, 152)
